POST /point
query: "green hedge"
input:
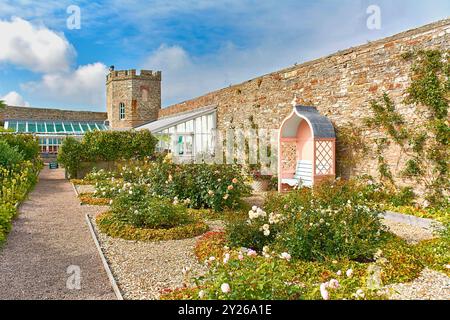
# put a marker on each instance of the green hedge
(106, 146)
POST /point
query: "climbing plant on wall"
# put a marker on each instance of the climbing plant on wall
(426, 145)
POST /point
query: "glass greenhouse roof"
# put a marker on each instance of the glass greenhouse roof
(55, 127)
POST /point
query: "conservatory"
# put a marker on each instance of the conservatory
(306, 152)
(186, 134)
(51, 133)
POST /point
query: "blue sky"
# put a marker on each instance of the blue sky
(199, 45)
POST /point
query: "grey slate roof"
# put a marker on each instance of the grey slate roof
(171, 121)
(321, 125)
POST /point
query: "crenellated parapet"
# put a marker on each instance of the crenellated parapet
(133, 75)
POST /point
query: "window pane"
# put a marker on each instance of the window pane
(190, 126)
(21, 127)
(68, 127)
(12, 125)
(210, 123)
(50, 127)
(198, 125)
(85, 127)
(59, 127)
(181, 127)
(40, 127)
(76, 127)
(204, 125)
(31, 126)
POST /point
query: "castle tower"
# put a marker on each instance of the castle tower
(132, 99)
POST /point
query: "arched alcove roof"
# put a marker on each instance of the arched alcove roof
(321, 125)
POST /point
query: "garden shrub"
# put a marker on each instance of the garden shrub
(332, 220)
(70, 155)
(146, 211)
(7, 212)
(106, 146)
(109, 225)
(247, 275)
(257, 231)
(216, 186)
(9, 156)
(352, 231)
(19, 168)
(26, 144)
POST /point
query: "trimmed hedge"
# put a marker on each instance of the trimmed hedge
(106, 146)
(113, 228)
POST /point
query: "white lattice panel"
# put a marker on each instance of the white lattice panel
(324, 157)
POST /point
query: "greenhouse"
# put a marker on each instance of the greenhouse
(51, 133)
(186, 134)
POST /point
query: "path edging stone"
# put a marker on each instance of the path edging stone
(111, 278)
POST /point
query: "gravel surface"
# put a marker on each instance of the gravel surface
(430, 285)
(410, 233)
(143, 269)
(49, 235)
(85, 188)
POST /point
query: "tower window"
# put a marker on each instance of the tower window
(122, 111)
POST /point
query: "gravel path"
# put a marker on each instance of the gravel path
(410, 233)
(85, 188)
(49, 235)
(143, 269)
(430, 285)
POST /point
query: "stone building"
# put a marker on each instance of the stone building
(132, 99)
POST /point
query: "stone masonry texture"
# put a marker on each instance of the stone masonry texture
(141, 95)
(340, 86)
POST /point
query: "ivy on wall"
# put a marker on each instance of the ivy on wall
(426, 145)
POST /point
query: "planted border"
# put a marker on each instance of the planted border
(108, 225)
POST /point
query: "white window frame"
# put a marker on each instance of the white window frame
(121, 111)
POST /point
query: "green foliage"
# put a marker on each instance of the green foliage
(427, 145)
(352, 231)
(9, 156)
(144, 211)
(334, 220)
(258, 230)
(7, 213)
(106, 146)
(70, 155)
(27, 145)
(350, 147)
(17, 175)
(203, 185)
(109, 225)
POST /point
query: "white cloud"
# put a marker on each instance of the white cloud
(84, 86)
(14, 99)
(34, 47)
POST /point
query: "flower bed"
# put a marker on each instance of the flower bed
(88, 198)
(325, 243)
(110, 226)
(19, 169)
